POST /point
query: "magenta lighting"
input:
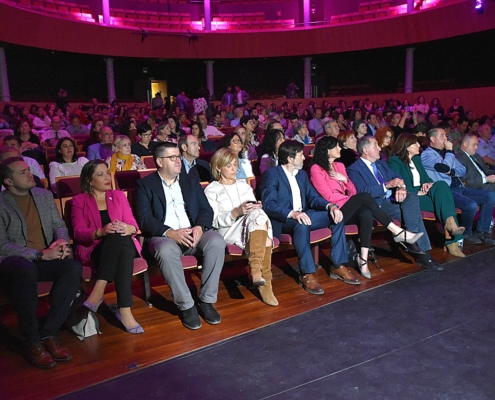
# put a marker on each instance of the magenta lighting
(479, 6)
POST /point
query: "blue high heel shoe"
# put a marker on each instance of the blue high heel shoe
(91, 306)
(135, 329)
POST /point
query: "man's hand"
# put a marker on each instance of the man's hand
(490, 178)
(400, 195)
(449, 145)
(336, 214)
(197, 232)
(183, 236)
(301, 217)
(396, 182)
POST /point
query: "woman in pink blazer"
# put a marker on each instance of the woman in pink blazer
(103, 231)
(330, 180)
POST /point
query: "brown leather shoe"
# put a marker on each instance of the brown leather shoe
(310, 284)
(58, 352)
(39, 357)
(344, 275)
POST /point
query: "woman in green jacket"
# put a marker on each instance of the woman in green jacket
(433, 197)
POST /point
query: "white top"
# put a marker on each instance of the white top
(65, 169)
(294, 187)
(50, 134)
(415, 174)
(212, 131)
(34, 167)
(176, 216)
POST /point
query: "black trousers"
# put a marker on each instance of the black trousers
(19, 278)
(360, 210)
(114, 259)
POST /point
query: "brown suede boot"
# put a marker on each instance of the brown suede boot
(256, 253)
(266, 290)
(452, 227)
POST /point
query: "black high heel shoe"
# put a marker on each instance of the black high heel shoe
(358, 257)
(404, 241)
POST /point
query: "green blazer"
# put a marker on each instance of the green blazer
(404, 170)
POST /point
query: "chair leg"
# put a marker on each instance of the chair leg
(315, 250)
(147, 288)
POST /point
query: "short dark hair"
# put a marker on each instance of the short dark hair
(270, 124)
(356, 124)
(13, 137)
(160, 149)
(293, 116)
(289, 149)
(421, 127)
(468, 136)
(245, 119)
(58, 155)
(87, 173)
(461, 120)
(365, 141)
(5, 171)
(183, 140)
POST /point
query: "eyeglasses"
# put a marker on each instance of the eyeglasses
(173, 158)
(388, 137)
(145, 134)
(235, 141)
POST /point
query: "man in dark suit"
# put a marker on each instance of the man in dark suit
(478, 175)
(295, 207)
(370, 174)
(191, 164)
(34, 248)
(176, 219)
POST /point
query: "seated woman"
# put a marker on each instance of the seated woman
(238, 217)
(122, 159)
(233, 142)
(330, 180)
(205, 144)
(385, 138)
(348, 148)
(103, 231)
(175, 129)
(29, 140)
(144, 146)
(301, 133)
(360, 128)
(94, 134)
(163, 133)
(249, 151)
(434, 197)
(66, 161)
(271, 142)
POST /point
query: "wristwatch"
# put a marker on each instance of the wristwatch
(39, 256)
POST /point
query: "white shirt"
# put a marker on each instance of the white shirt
(294, 187)
(176, 216)
(34, 167)
(370, 167)
(483, 175)
(212, 131)
(50, 134)
(415, 174)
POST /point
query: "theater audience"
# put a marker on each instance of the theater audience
(348, 148)
(271, 142)
(29, 139)
(191, 164)
(421, 105)
(104, 230)
(41, 121)
(249, 151)
(209, 130)
(94, 133)
(456, 107)
(385, 138)
(315, 124)
(360, 128)
(458, 133)
(144, 146)
(163, 133)
(175, 129)
(436, 108)
(104, 149)
(122, 159)
(301, 133)
(233, 141)
(15, 143)
(205, 144)
(66, 163)
(51, 136)
(76, 127)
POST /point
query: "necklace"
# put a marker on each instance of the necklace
(228, 195)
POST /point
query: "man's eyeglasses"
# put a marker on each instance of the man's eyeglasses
(145, 134)
(173, 158)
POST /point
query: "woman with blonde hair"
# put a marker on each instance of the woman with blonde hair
(122, 159)
(239, 218)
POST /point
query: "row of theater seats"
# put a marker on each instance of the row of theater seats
(76, 11)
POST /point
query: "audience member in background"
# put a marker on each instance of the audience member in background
(331, 181)
(433, 197)
(239, 218)
(151, 123)
(176, 219)
(441, 165)
(249, 122)
(385, 138)
(51, 136)
(144, 146)
(94, 134)
(209, 130)
(66, 162)
(41, 121)
(372, 123)
(315, 123)
(75, 127)
(370, 174)
(456, 107)
(293, 119)
(271, 142)
(295, 207)
(397, 123)
(191, 164)
(104, 149)
(34, 247)
(217, 120)
(228, 97)
(360, 128)
(241, 96)
(249, 151)
(9, 117)
(205, 144)
(436, 108)
(421, 105)
(486, 146)
(122, 159)
(29, 140)
(457, 134)
(477, 175)
(331, 128)
(301, 133)
(348, 148)
(163, 133)
(15, 143)
(175, 129)
(473, 126)
(157, 101)
(238, 114)
(233, 141)
(104, 230)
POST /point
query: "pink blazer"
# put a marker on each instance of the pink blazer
(86, 219)
(330, 189)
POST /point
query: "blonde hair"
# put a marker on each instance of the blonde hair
(117, 142)
(220, 159)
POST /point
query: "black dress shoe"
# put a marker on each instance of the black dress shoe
(414, 249)
(427, 262)
(485, 237)
(190, 318)
(209, 313)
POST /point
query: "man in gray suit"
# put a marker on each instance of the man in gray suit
(478, 175)
(34, 248)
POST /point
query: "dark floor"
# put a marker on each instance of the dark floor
(427, 336)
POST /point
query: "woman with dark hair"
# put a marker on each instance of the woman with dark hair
(360, 128)
(66, 161)
(330, 180)
(144, 146)
(348, 148)
(33, 112)
(436, 108)
(385, 138)
(175, 129)
(164, 134)
(272, 141)
(206, 144)
(433, 197)
(406, 106)
(104, 230)
(9, 115)
(29, 139)
(234, 142)
(421, 105)
(94, 134)
(457, 108)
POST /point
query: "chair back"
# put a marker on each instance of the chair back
(149, 162)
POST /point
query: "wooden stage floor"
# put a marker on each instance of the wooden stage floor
(115, 353)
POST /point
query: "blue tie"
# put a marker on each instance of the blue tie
(378, 176)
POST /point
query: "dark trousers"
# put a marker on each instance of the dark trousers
(360, 210)
(114, 259)
(19, 278)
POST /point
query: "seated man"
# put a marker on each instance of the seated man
(370, 174)
(295, 207)
(16, 143)
(176, 219)
(34, 248)
(441, 164)
(75, 127)
(52, 135)
(209, 130)
(191, 164)
(477, 175)
(486, 146)
(331, 128)
(8, 152)
(314, 125)
(104, 149)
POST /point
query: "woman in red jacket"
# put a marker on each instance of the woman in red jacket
(103, 231)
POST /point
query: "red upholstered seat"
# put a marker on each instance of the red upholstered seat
(351, 230)
(314, 237)
(428, 215)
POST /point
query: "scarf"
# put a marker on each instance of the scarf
(114, 162)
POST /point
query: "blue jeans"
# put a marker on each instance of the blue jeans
(468, 200)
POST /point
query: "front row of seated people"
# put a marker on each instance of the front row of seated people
(177, 217)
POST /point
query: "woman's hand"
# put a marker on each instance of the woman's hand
(338, 176)
(123, 228)
(108, 228)
(243, 209)
(425, 187)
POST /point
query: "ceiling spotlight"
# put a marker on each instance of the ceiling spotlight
(479, 6)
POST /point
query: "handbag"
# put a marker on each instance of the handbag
(351, 251)
(80, 320)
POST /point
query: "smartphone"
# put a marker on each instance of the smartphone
(252, 202)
